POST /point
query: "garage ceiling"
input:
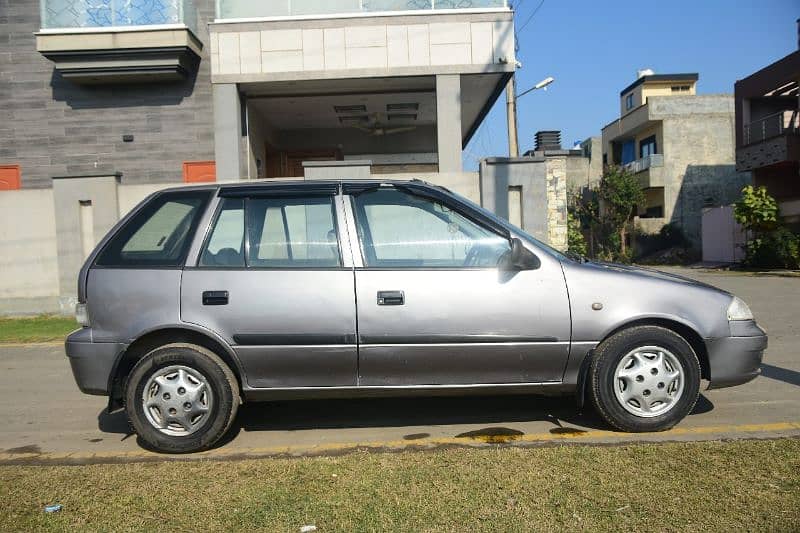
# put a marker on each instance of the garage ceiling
(331, 104)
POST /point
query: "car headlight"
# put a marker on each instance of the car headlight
(82, 315)
(738, 310)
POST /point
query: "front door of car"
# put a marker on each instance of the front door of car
(435, 309)
(270, 280)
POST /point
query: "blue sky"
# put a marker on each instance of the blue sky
(593, 49)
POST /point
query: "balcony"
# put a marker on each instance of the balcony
(112, 41)
(648, 170)
(640, 165)
(247, 9)
(770, 140)
(775, 125)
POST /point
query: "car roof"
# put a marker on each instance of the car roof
(300, 184)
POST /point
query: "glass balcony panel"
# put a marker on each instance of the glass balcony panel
(233, 9)
(66, 14)
(323, 7)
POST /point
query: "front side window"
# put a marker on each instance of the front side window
(159, 235)
(273, 233)
(401, 230)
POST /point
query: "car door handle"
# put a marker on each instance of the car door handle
(391, 298)
(215, 298)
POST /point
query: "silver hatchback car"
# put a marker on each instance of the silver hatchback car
(204, 297)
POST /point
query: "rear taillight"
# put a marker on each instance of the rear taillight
(82, 315)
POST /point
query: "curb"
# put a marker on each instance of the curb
(566, 436)
(50, 344)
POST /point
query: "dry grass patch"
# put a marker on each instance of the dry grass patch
(679, 486)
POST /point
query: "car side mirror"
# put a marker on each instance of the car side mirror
(520, 258)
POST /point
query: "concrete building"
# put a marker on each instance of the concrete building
(174, 90)
(680, 146)
(768, 131)
(104, 102)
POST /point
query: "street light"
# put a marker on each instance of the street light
(511, 109)
(541, 85)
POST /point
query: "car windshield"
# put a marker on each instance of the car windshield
(511, 227)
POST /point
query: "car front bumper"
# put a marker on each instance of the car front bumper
(91, 362)
(736, 359)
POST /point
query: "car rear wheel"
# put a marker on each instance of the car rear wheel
(646, 378)
(181, 398)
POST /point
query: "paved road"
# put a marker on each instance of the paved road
(43, 416)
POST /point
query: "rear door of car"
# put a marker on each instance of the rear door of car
(274, 278)
(435, 309)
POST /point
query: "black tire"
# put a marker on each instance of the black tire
(220, 379)
(602, 380)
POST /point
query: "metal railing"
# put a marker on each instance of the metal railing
(774, 125)
(237, 9)
(68, 14)
(648, 161)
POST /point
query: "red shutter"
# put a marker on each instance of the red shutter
(10, 179)
(199, 171)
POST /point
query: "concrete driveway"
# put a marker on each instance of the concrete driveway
(43, 416)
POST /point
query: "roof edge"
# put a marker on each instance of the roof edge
(686, 76)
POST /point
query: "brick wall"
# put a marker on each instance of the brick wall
(53, 127)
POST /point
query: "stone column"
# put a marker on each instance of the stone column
(556, 179)
(448, 121)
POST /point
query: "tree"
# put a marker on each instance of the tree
(620, 194)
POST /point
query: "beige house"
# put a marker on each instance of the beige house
(680, 146)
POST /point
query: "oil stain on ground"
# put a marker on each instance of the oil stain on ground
(30, 448)
(567, 431)
(493, 435)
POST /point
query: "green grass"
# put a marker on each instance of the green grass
(716, 486)
(43, 328)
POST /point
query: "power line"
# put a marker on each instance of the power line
(530, 17)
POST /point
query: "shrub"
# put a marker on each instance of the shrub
(779, 248)
(770, 244)
(575, 239)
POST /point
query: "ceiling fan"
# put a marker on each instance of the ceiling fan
(376, 128)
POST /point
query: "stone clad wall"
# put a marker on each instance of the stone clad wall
(53, 127)
(556, 179)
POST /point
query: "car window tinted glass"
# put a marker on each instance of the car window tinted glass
(401, 230)
(225, 247)
(159, 234)
(292, 232)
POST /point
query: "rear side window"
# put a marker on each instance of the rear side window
(160, 234)
(273, 233)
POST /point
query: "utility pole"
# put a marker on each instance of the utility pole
(511, 110)
(511, 116)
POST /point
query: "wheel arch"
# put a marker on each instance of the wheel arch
(151, 340)
(689, 333)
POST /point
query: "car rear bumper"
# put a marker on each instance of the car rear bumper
(736, 359)
(91, 362)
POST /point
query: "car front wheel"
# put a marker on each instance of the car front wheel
(181, 398)
(646, 378)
